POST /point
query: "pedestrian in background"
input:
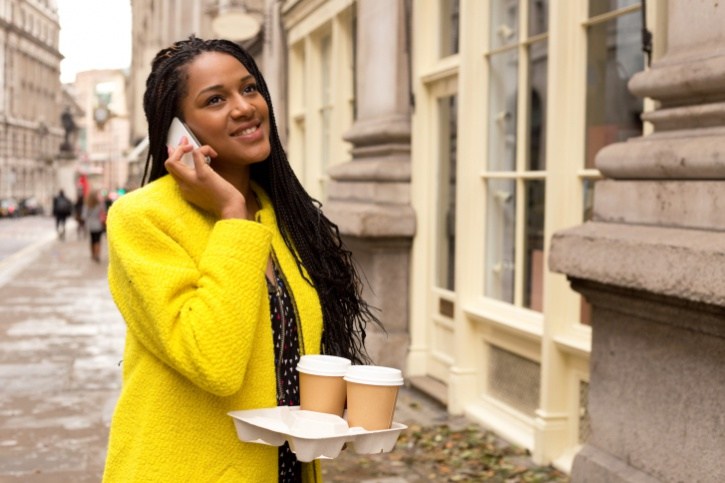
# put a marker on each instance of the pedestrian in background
(225, 273)
(78, 212)
(94, 214)
(62, 208)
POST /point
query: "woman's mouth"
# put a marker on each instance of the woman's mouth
(246, 131)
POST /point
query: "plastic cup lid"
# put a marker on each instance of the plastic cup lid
(322, 365)
(375, 375)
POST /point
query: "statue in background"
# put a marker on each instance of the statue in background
(69, 125)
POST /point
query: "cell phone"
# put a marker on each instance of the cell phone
(177, 130)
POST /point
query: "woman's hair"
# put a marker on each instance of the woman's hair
(93, 198)
(314, 239)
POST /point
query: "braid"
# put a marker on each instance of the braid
(307, 232)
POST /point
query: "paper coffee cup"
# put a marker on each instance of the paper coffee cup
(372, 392)
(322, 387)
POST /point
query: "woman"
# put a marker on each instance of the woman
(225, 273)
(79, 212)
(94, 214)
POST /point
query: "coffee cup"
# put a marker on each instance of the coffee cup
(322, 387)
(372, 392)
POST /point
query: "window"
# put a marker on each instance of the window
(449, 26)
(514, 175)
(446, 257)
(320, 95)
(326, 105)
(614, 55)
(507, 336)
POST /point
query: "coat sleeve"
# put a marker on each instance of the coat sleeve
(198, 316)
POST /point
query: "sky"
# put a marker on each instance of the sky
(94, 34)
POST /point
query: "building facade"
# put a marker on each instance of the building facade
(449, 140)
(650, 264)
(104, 129)
(31, 102)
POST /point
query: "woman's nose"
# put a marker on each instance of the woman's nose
(241, 107)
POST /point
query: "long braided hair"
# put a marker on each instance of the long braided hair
(314, 239)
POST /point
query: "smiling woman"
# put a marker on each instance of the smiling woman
(225, 273)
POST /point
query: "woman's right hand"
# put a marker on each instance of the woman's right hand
(201, 185)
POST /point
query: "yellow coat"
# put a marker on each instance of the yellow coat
(199, 343)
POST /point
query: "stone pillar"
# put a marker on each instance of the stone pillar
(369, 197)
(274, 62)
(64, 166)
(652, 264)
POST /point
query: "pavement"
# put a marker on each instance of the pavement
(61, 341)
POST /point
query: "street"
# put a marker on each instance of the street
(18, 235)
(61, 340)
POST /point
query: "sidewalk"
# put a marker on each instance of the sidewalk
(61, 339)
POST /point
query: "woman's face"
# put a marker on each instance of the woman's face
(224, 109)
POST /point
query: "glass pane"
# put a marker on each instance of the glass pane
(500, 239)
(446, 251)
(538, 66)
(588, 202)
(353, 60)
(325, 54)
(614, 56)
(534, 245)
(538, 17)
(449, 19)
(585, 312)
(325, 96)
(502, 111)
(325, 139)
(598, 7)
(504, 23)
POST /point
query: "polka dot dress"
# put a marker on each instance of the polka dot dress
(286, 357)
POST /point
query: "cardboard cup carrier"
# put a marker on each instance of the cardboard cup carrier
(372, 392)
(322, 387)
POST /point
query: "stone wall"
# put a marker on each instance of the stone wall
(652, 264)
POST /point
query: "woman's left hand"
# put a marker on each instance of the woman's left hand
(202, 186)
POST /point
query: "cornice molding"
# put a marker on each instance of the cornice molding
(11, 28)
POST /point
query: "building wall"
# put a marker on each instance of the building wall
(510, 101)
(103, 145)
(506, 125)
(649, 263)
(31, 100)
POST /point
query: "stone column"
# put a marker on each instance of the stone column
(369, 197)
(652, 264)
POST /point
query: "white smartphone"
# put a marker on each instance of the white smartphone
(177, 130)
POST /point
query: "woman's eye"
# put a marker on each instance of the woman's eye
(248, 89)
(214, 100)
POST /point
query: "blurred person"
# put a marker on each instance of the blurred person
(62, 208)
(94, 214)
(225, 273)
(78, 212)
